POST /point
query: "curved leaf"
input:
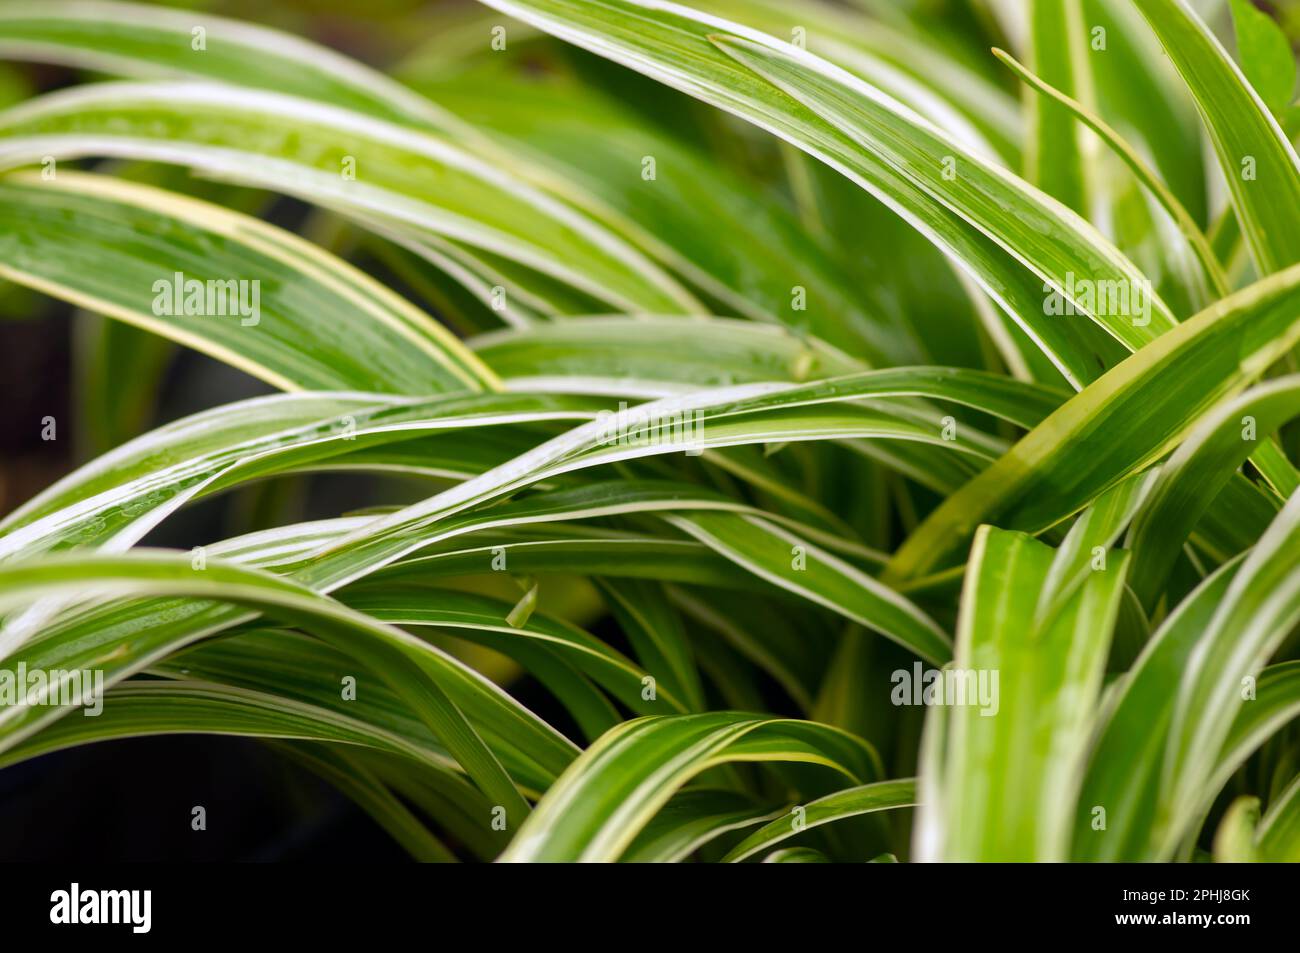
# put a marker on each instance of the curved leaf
(851, 802)
(596, 808)
(344, 160)
(1128, 419)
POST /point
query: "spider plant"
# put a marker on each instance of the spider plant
(830, 439)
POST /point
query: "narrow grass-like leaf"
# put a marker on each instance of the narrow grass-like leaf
(691, 819)
(1050, 240)
(412, 667)
(155, 42)
(1265, 54)
(672, 44)
(851, 802)
(284, 310)
(304, 671)
(1200, 245)
(1197, 471)
(341, 159)
(798, 566)
(1279, 830)
(1258, 610)
(1021, 705)
(1126, 420)
(597, 808)
(1258, 160)
(1122, 784)
(1055, 159)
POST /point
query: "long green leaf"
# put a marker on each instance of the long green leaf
(1128, 419)
(1011, 238)
(851, 802)
(1259, 163)
(596, 809)
(1259, 608)
(1015, 756)
(1195, 474)
(415, 669)
(297, 317)
(339, 159)
(798, 566)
